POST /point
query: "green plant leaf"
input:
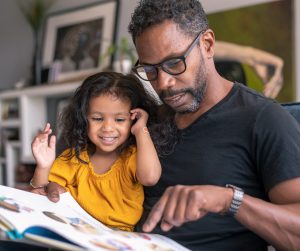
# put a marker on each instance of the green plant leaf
(35, 11)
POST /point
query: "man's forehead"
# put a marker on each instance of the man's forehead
(160, 42)
(165, 28)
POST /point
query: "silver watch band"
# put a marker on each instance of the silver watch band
(237, 199)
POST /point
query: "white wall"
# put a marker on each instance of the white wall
(211, 6)
(15, 44)
(16, 36)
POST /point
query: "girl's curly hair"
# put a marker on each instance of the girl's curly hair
(74, 122)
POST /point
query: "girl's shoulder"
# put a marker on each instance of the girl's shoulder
(69, 155)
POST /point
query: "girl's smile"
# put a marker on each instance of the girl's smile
(109, 122)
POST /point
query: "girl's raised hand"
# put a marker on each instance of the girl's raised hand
(42, 150)
(141, 117)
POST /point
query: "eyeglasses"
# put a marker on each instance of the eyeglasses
(173, 66)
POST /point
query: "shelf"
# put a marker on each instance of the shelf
(24, 112)
(46, 90)
(28, 160)
(23, 186)
(13, 143)
(11, 123)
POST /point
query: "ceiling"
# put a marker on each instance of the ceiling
(211, 6)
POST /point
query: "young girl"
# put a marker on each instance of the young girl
(110, 154)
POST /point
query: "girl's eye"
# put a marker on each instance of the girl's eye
(97, 119)
(120, 120)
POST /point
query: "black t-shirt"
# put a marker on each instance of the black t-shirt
(246, 140)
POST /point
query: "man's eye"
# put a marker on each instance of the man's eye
(172, 63)
(149, 68)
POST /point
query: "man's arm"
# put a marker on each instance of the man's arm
(278, 221)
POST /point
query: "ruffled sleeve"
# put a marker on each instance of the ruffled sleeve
(64, 169)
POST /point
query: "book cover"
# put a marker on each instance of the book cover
(66, 225)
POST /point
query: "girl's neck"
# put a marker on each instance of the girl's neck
(102, 161)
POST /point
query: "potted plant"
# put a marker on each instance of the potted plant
(124, 53)
(35, 11)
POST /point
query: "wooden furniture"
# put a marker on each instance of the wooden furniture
(22, 113)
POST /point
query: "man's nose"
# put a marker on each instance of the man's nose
(164, 80)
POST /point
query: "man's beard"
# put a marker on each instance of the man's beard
(198, 92)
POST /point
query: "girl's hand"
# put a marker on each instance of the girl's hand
(44, 152)
(142, 117)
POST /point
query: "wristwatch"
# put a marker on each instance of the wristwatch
(237, 199)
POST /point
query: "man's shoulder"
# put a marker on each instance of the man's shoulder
(249, 98)
(251, 94)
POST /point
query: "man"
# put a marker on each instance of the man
(232, 182)
(228, 135)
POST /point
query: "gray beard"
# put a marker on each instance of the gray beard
(198, 92)
(198, 95)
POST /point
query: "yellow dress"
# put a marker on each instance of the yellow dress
(115, 198)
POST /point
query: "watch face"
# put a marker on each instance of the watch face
(234, 187)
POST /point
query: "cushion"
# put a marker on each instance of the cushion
(293, 108)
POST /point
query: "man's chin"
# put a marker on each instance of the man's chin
(181, 110)
(184, 109)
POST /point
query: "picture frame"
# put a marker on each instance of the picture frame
(76, 40)
(266, 57)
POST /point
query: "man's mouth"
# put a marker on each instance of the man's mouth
(173, 100)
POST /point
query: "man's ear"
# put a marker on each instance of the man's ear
(208, 40)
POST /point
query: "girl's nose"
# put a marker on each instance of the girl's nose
(107, 125)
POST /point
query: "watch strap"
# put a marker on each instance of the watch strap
(237, 199)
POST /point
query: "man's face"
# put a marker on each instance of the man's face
(185, 92)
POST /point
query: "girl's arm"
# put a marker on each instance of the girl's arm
(148, 168)
(44, 154)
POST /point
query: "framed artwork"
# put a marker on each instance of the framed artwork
(75, 40)
(258, 53)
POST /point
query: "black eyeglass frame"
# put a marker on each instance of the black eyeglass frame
(161, 65)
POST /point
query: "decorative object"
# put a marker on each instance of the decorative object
(35, 12)
(124, 54)
(75, 39)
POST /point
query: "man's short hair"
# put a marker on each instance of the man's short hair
(187, 14)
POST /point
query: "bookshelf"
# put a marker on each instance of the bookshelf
(23, 112)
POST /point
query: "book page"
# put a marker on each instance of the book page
(35, 215)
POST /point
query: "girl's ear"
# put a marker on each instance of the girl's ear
(208, 40)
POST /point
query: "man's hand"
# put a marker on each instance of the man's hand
(52, 191)
(180, 204)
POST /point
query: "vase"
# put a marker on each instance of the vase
(123, 66)
(36, 68)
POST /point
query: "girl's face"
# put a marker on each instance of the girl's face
(109, 122)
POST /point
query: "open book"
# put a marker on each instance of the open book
(66, 225)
